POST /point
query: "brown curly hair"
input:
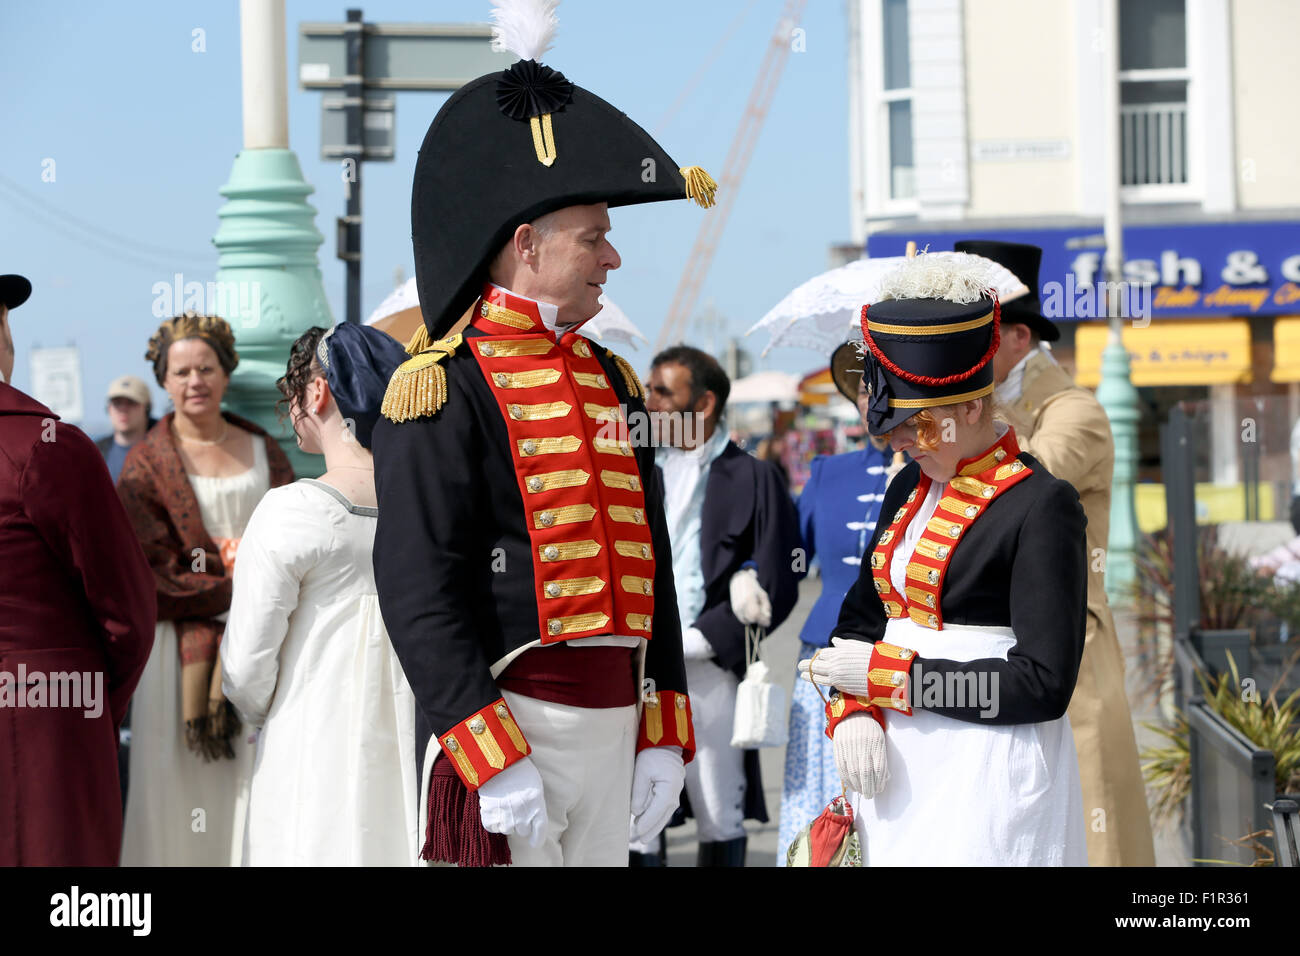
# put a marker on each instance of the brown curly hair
(212, 329)
(302, 368)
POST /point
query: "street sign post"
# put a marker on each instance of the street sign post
(355, 57)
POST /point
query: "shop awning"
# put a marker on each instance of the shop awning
(1170, 351)
(1286, 349)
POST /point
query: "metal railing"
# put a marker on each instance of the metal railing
(1153, 143)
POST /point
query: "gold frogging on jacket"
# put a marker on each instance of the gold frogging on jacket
(453, 747)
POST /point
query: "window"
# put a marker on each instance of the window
(897, 99)
(1153, 79)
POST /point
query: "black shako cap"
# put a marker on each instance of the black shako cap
(478, 178)
(926, 353)
(1024, 260)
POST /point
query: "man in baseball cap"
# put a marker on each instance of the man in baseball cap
(129, 404)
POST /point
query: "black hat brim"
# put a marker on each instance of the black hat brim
(14, 290)
(846, 370)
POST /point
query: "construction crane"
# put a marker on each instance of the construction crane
(733, 171)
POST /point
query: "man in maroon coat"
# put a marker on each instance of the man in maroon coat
(76, 626)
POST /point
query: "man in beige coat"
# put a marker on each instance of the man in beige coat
(1065, 428)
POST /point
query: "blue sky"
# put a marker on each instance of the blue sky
(143, 130)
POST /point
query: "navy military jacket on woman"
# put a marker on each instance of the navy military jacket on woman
(518, 511)
(1005, 548)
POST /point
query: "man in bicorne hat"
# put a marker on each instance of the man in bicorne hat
(522, 556)
(1066, 428)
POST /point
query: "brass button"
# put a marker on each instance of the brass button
(552, 589)
(483, 310)
(934, 621)
(929, 600)
(896, 679)
(634, 483)
(881, 586)
(681, 702)
(580, 349)
(933, 576)
(477, 726)
(954, 530)
(645, 587)
(942, 551)
(551, 552)
(988, 492)
(999, 454)
(452, 745)
(487, 350)
(529, 447)
(547, 519)
(600, 381)
(536, 484)
(905, 654)
(516, 411)
(886, 537)
(637, 516)
(502, 379)
(971, 511)
(554, 627)
(1017, 466)
(899, 514)
(645, 551)
(502, 711)
(912, 496)
(647, 622)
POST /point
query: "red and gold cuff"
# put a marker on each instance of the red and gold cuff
(666, 722)
(484, 744)
(842, 705)
(889, 677)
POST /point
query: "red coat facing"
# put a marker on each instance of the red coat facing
(76, 597)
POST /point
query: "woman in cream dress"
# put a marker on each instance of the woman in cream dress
(189, 488)
(306, 657)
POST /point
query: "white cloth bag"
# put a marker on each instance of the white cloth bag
(761, 719)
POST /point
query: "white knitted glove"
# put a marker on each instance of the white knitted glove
(657, 780)
(695, 646)
(859, 744)
(512, 803)
(843, 666)
(749, 602)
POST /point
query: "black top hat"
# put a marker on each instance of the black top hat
(1023, 260)
(14, 290)
(510, 147)
(926, 352)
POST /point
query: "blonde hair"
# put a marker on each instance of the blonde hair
(212, 329)
(928, 423)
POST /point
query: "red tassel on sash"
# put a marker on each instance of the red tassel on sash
(454, 833)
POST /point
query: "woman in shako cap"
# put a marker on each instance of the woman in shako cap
(957, 649)
(306, 656)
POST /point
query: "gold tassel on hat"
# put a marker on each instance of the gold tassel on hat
(630, 377)
(699, 185)
(418, 387)
(543, 138)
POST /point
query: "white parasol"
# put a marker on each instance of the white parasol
(823, 312)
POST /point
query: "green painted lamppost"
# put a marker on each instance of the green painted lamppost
(268, 277)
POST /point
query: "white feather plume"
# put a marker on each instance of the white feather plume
(957, 277)
(524, 27)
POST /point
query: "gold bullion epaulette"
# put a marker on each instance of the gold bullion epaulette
(419, 385)
(633, 381)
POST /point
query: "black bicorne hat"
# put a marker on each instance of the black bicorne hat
(1024, 260)
(14, 290)
(512, 146)
(920, 353)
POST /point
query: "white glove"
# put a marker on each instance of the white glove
(749, 602)
(512, 803)
(859, 744)
(843, 665)
(657, 781)
(695, 646)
